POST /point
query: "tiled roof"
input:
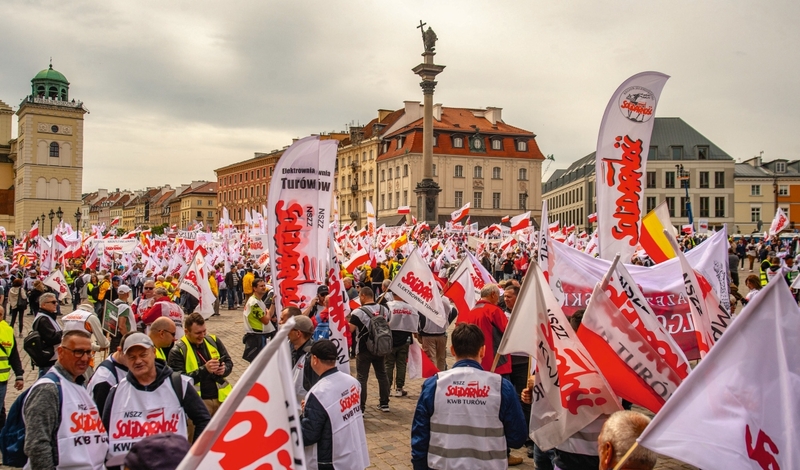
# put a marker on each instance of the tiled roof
(206, 188)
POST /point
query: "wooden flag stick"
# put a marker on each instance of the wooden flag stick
(494, 363)
(625, 457)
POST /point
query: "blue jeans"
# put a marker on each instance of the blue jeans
(3, 387)
(231, 298)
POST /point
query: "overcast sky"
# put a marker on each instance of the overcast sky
(178, 88)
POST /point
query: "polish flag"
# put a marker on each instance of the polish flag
(460, 214)
(570, 229)
(114, 222)
(506, 219)
(779, 223)
(553, 228)
(457, 292)
(739, 407)
(519, 222)
(359, 258)
(403, 210)
(34, 231)
(688, 229)
(593, 218)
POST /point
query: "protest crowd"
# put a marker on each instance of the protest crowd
(551, 347)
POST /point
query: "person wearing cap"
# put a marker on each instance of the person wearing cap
(163, 306)
(150, 399)
(162, 333)
(157, 452)
(258, 327)
(125, 319)
(301, 342)
(107, 375)
(332, 420)
(55, 418)
(317, 304)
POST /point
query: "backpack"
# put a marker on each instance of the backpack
(32, 344)
(12, 436)
(22, 302)
(379, 336)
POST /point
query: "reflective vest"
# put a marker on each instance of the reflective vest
(7, 343)
(136, 414)
(340, 396)
(160, 354)
(253, 311)
(81, 437)
(466, 431)
(190, 365)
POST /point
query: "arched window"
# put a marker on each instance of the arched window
(459, 171)
(405, 170)
(458, 142)
(54, 151)
(523, 174)
(478, 172)
(496, 172)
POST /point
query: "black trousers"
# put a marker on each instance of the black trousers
(365, 360)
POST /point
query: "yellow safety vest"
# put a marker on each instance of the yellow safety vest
(191, 365)
(160, 354)
(7, 342)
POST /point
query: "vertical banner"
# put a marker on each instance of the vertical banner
(337, 308)
(622, 148)
(297, 221)
(371, 221)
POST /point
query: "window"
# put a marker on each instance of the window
(755, 213)
(348, 180)
(684, 206)
(399, 142)
(258, 173)
(703, 179)
(383, 201)
(397, 197)
(435, 140)
(210, 202)
(459, 172)
(370, 176)
(405, 197)
(671, 206)
(199, 202)
(783, 190)
(370, 154)
(364, 204)
(685, 181)
(522, 146)
(496, 173)
(780, 167)
(258, 190)
(719, 179)
(719, 207)
(349, 206)
(251, 191)
(702, 152)
(477, 172)
(522, 201)
(477, 199)
(54, 149)
(390, 173)
(435, 172)
(405, 169)
(364, 157)
(651, 203)
(210, 214)
(458, 142)
(523, 174)
(495, 200)
(704, 207)
(652, 154)
(390, 200)
(364, 176)
(199, 214)
(459, 199)
(271, 170)
(397, 172)
(669, 179)
(383, 175)
(651, 179)
(497, 144)
(755, 190)
(677, 153)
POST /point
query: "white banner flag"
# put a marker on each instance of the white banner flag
(739, 407)
(257, 425)
(195, 282)
(622, 148)
(337, 308)
(779, 223)
(415, 285)
(299, 201)
(113, 246)
(57, 282)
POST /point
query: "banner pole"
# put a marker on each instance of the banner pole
(625, 457)
(495, 361)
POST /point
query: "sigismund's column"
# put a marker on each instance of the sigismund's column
(427, 190)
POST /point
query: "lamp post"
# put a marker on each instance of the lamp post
(51, 215)
(59, 214)
(684, 176)
(78, 218)
(41, 226)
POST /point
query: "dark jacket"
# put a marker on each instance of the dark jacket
(316, 427)
(50, 336)
(514, 426)
(208, 381)
(101, 390)
(377, 275)
(193, 406)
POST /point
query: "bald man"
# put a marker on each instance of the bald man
(162, 334)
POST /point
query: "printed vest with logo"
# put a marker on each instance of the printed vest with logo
(466, 431)
(81, 438)
(6, 343)
(340, 395)
(297, 377)
(432, 329)
(136, 414)
(252, 322)
(106, 372)
(404, 317)
(77, 320)
(191, 365)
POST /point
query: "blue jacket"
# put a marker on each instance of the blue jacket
(316, 426)
(510, 415)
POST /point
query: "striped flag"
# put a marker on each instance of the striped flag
(652, 238)
(460, 214)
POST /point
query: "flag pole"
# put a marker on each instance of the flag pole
(625, 457)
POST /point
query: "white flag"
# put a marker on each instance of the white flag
(543, 254)
(779, 223)
(195, 282)
(414, 283)
(57, 282)
(337, 308)
(257, 425)
(739, 407)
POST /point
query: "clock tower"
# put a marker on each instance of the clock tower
(47, 154)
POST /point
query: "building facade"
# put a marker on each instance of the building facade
(198, 203)
(763, 187)
(679, 158)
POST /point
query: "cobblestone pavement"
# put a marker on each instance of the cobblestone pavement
(388, 434)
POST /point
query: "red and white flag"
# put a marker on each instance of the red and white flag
(461, 291)
(622, 146)
(554, 227)
(359, 258)
(593, 218)
(195, 282)
(543, 258)
(739, 407)
(416, 286)
(57, 282)
(257, 426)
(337, 309)
(519, 222)
(459, 214)
(114, 222)
(687, 229)
(779, 223)
(34, 231)
(505, 219)
(403, 210)
(571, 393)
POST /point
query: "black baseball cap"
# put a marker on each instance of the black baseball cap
(323, 290)
(325, 350)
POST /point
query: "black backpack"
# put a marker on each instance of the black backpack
(40, 355)
(379, 336)
(12, 436)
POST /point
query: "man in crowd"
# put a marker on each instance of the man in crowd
(247, 282)
(232, 282)
(125, 318)
(467, 433)
(205, 360)
(433, 338)
(300, 341)
(130, 404)
(162, 334)
(107, 375)
(164, 307)
(618, 435)
(9, 360)
(404, 321)
(55, 403)
(333, 421)
(492, 321)
(258, 326)
(49, 331)
(359, 325)
(352, 293)
(145, 300)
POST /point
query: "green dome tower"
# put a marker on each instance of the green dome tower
(51, 84)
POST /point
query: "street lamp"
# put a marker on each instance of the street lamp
(42, 224)
(683, 177)
(51, 215)
(78, 218)
(59, 214)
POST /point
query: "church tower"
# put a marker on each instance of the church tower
(47, 154)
